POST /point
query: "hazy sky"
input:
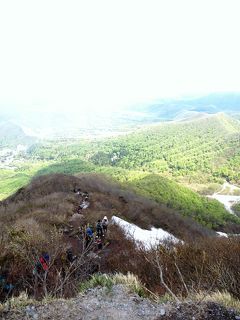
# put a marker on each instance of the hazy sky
(108, 53)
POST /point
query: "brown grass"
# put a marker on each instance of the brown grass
(205, 265)
(48, 203)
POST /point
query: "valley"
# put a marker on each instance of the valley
(199, 154)
(174, 163)
(9, 155)
(119, 160)
(169, 189)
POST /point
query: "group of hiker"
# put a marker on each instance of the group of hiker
(97, 239)
(93, 238)
(84, 196)
(101, 231)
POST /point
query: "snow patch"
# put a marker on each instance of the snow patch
(149, 238)
(222, 234)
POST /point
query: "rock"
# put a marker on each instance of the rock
(117, 303)
(162, 312)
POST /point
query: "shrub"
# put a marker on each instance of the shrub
(108, 280)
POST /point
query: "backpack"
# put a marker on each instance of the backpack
(89, 232)
(43, 263)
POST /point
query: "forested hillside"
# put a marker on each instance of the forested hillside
(207, 212)
(202, 150)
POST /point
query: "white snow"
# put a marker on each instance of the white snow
(222, 234)
(148, 238)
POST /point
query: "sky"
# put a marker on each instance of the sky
(101, 55)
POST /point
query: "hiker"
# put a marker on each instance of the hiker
(85, 194)
(84, 205)
(99, 228)
(70, 255)
(77, 191)
(98, 242)
(5, 285)
(89, 236)
(89, 232)
(42, 264)
(44, 260)
(105, 224)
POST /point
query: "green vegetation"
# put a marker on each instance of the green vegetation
(236, 209)
(11, 180)
(108, 281)
(205, 150)
(208, 212)
(201, 154)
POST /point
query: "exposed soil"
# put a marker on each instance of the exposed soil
(118, 303)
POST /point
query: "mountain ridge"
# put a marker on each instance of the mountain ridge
(110, 198)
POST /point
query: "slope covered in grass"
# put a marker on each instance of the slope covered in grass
(49, 200)
(206, 211)
(201, 150)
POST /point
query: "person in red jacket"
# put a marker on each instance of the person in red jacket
(44, 260)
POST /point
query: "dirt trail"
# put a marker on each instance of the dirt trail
(118, 303)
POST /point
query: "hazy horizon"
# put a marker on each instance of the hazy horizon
(109, 54)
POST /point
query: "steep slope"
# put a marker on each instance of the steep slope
(50, 201)
(166, 192)
(40, 220)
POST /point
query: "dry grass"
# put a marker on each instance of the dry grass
(223, 298)
(208, 264)
(108, 280)
(50, 201)
(31, 215)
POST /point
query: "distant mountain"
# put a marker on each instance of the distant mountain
(12, 134)
(169, 109)
(73, 123)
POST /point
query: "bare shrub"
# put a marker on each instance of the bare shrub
(27, 242)
(184, 268)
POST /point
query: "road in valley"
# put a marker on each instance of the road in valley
(229, 199)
